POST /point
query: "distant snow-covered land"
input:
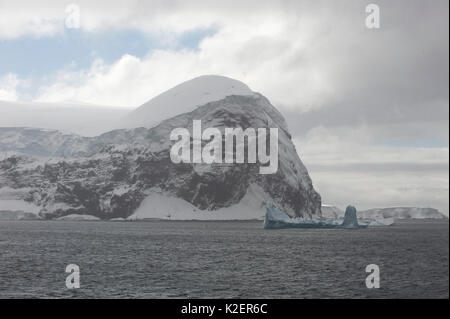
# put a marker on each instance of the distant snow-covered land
(333, 212)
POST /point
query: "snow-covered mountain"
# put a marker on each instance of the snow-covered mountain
(128, 173)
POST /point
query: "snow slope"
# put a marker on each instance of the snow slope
(184, 98)
(162, 206)
(78, 217)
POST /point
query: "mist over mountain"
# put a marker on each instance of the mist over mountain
(74, 118)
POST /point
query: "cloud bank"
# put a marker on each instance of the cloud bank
(368, 108)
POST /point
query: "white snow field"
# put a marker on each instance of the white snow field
(161, 206)
(78, 217)
(184, 98)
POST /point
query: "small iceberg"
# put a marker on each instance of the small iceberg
(277, 219)
(381, 222)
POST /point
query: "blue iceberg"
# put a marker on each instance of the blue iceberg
(277, 219)
(350, 219)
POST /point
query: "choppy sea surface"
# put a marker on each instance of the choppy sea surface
(177, 259)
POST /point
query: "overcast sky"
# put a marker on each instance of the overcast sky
(368, 108)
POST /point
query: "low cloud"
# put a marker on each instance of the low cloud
(349, 166)
(368, 108)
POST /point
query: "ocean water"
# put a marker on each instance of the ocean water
(174, 259)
